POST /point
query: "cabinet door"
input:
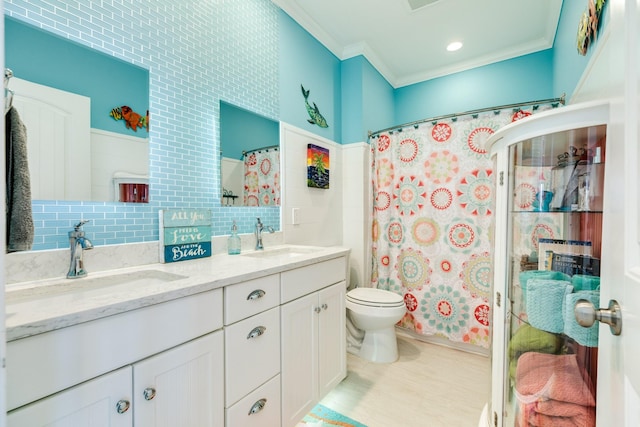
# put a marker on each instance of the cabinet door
(93, 403)
(331, 338)
(183, 386)
(299, 370)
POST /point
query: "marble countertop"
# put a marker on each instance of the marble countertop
(41, 306)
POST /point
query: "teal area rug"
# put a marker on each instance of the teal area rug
(329, 417)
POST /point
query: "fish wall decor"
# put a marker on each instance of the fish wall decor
(132, 119)
(314, 113)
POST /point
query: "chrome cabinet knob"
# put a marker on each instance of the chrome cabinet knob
(317, 309)
(258, 406)
(122, 406)
(325, 306)
(258, 293)
(256, 332)
(586, 315)
(149, 393)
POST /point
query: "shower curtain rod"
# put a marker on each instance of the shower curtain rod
(561, 100)
(244, 153)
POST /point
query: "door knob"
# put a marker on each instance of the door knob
(586, 315)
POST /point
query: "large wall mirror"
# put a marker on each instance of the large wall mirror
(250, 158)
(86, 115)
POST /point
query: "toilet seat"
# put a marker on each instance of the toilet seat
(372, 297)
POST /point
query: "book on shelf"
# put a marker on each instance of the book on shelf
(576, 264)
(548, 247)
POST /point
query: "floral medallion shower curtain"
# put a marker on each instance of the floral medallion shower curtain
(262, 177)
(432, 198)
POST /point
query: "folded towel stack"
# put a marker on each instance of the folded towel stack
(526, 339)
(553, 391)
(585, 336)
(545, 303)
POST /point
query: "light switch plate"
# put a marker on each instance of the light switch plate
(295, 216)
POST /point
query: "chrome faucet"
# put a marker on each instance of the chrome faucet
(78, 243)
(258, 233)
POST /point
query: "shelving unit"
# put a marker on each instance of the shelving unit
(548, 237)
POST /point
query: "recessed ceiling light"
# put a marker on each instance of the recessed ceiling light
(452, 47)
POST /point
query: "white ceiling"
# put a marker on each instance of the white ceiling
(407, 43)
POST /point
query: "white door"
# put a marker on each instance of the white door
(59, 140)
(183, 386)
(619, 370)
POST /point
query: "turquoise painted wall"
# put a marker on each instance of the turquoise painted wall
(367, 100)
(41, 57)
(522, 79)
(305, 61)
(204, 53)
(568, 65)
(242, 130)
(352, 99)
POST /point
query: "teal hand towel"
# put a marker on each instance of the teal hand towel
(584, 336)
(545, 303)
(525, 276)
(583, 282)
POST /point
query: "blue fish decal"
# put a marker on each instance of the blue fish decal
(314, 113)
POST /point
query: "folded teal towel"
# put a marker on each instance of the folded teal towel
(545, 303)
(585, 336)
(582, 282)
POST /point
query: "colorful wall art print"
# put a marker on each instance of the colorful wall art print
(317, 166)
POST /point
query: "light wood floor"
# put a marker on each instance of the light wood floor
(429, 386)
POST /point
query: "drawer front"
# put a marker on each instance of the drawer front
(251, 297)
(252, 353)
(302, 281)
(261, 408)
(43, 364)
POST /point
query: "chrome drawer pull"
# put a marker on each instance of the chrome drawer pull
(256, 332)
(149, 393)
(258, 406)
(122, 406)
(258, 293)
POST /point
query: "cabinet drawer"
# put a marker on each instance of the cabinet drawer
(252, 353)
(251, 297)
(302, 281)
(43, 364)
(261, 408)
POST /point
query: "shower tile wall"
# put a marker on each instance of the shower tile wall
(197, 53)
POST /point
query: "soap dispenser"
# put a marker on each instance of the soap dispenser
(233, 243)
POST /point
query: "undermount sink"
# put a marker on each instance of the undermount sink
(67, 291)
(282, 252)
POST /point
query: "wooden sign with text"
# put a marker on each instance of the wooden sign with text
(184, 234)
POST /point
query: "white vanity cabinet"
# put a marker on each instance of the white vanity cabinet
(313, 335)
(159, 366)
(252, 352)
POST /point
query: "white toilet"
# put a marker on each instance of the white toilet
(376, 311)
